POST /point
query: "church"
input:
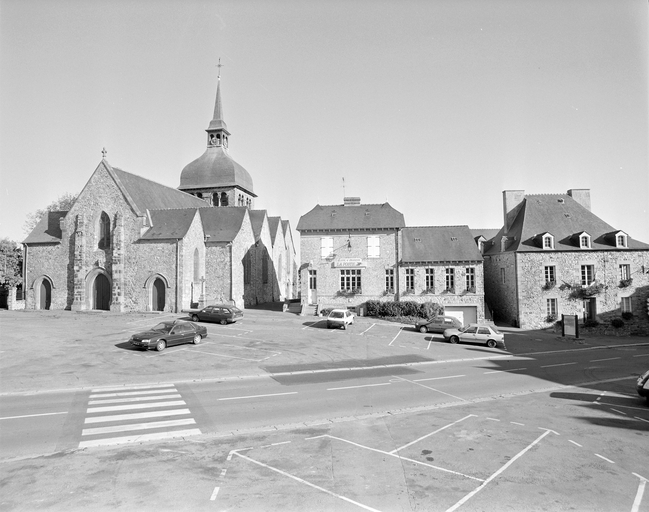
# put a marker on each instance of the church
(131, 244)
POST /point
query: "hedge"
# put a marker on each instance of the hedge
(404, 308)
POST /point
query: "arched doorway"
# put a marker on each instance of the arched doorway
(101, 293)
(45, 295)
(158, 291)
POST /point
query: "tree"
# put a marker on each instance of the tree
(63, 203)
(11, 263)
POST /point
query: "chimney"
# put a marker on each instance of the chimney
(512, 202)
(581, 195)
(352, 201)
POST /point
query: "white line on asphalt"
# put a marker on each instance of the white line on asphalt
(400, 330)
(137, 416)
(618, 411)
(607, 359)
(131, 393)
(214, 493)
(137, 439)
(570, 440)
(641, 419)
(428, 387)
(516, 423)
(638, 497)
(137, 426)
(223, 472)
(509, 463)
(110, 408)
(602, 457)
(130, 388)
(493, 419)
(624, 406)
(432, 433)
(504, 371)
(361, 386)
(429, 343)
(133, 399)
(32, 415)
(642, 355)
(312, 324)
(438, 378)
(231, 357)
(305, 482)
(257, 396)
(559, 364)
(368, 328)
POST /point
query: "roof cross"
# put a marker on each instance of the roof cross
(103, 152)
(219, 65)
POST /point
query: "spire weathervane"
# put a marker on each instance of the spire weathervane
(219, 65)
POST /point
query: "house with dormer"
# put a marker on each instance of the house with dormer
(554, 256)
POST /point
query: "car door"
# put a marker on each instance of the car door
(205, 314)
(179, 334)
(469, 335)
(482, 335)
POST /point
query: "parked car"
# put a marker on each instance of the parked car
(166, 334)
(477, 333)
(438, 324)
(643, 385)
(222, 313)
(340, 318)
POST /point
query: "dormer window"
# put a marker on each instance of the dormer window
(621, 239)
(584, 241)
(548, 241)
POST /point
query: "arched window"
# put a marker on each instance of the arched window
(197, 268)
(224, 199)
(215, 199)
(104, 231)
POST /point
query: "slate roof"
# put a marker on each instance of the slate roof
(273, 224)
(487, 233)
(215, 168)
(257, 220)
(47, 230)
(224, 223)
(562, 217)
(169, 224)
(438, 244)
(342, 217)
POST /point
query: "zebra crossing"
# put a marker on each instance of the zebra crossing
(139, 413)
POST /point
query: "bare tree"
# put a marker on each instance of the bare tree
(63, 203)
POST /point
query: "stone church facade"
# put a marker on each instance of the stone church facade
(131, 244)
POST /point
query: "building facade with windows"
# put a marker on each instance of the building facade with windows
(554, 256)
(131, 244)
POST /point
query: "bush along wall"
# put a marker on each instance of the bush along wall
(404, 308)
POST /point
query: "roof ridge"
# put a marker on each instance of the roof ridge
(449, 226)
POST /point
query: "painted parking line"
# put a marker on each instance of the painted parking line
(428, 387)
(438, 378)
(432, 433)
(360, 386)
(607, 359)
(558, 364)
(400, 331)
(32, 415)
(505, 371)
(257, 396)
(638, 497)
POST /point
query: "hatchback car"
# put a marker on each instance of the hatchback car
(484, 334)
(438, 324)
(340, 318)
(642, 385)
(222, 313)
(166, 334)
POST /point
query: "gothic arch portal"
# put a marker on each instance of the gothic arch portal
(42, 288)
(98, 290)
(156, 287)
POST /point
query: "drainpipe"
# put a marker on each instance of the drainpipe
(516, 288)
(25, 274)
(397, 288)
(177, 271)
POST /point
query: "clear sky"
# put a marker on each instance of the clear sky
(436, 106)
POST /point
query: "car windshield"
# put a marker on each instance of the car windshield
(236, 310)
(162, 327)
(336, 314)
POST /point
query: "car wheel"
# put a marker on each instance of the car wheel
(423, 329)
(454, 339)
(197, 339)
(194, 318)
(491, 343)
(161, 345)
(224, 322)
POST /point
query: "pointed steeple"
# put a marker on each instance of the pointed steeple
(217, 131)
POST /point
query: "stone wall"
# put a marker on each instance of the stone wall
(500, 287)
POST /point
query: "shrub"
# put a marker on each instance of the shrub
(591, 323)
(550, 318)
(617, 323)
(403, 308)
(627, 315)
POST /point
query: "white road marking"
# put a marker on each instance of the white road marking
(642, 355)
(133, 399)
(368, 328)
(493, 419)
(134, 406)
(438, 378)
(429, 343)
(577, 444)
(312, 324)
(641, 419)
(607, 359)
(432, 433)
(618, 411)
(559, 364)
(516, 423)
(137, 416)
(428, 387)
(32, 415)
(137, 426)
(223, 472)
(230, 357)
(257, 396)
(509, 463)
(602, 457)
(638, 497)
(304, 482)
(141, 438)
(130, 388)
(504, 371)
(131, 393)
(400, 330)
(361, 386)
(216, 491)
(623, 406)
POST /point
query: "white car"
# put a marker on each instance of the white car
(340, 318)
(484, 334)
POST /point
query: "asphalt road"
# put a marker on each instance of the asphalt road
(377, 417)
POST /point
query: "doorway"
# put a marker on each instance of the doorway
(158, 295)
(589, 309)
(101, 293)
(313, 285)
(45, 295)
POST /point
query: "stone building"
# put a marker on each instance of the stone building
(130, 244)
(554, 256)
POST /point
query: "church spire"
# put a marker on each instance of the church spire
(217, 131)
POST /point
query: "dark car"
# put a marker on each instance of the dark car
(438, 324)
(222, 313)
(643, 385)
(166, 334)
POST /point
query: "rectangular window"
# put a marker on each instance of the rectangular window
(625, 271)
(350, 280)
(410, 279)
(627, 305)
(547, 242)
(587, 275)
(430, 280)
(450, 279)
(313, 281)
(502, 275)
(389, 280)
(551, 308)
(326, 246)
(550, 276)
(470, 279)
(373, 247)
